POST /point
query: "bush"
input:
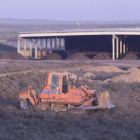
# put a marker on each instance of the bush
(118, 123)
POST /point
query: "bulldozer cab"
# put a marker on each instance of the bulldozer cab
(58, 83)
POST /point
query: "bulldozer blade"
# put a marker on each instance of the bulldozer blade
(23, 104)
(104, 100)
(86, 108)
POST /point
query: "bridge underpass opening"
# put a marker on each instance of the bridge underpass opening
(92, 43)
(124, 44)
(117, 45)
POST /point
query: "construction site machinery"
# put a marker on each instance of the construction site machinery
(59, 95)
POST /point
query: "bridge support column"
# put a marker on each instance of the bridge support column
(18, 49)
(113, 47)
(50, 45)
(25, 47)
(41, 47)
(35, 48)
(120, 47)
(30, 47)
(123, 46)
(59, 43)
(64, 44)
(117, 48)
(46, 44)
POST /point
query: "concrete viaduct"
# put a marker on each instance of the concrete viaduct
(122, 41)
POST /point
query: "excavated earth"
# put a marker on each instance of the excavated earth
(89, 54)
(107, 69)
(102, 56)
(53, 56)
(130, 56)
(88, 74)
(77, 56)
(132, 75)
(13, 56)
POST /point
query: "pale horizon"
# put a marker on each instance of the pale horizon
(72, 10)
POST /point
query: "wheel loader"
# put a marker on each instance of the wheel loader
(60, 94)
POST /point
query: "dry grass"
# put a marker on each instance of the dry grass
(38, 125)
(114, 124)
(7, 66)
(103, 75)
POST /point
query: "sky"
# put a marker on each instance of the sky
(71, 10)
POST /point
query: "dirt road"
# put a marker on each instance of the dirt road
(120, 63)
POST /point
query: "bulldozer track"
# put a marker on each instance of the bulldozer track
(57, 106)
(71, 103)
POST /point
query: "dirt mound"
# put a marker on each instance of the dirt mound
(7, 49)
(89, 55)
(14, 56)
(132, 69)
(106, 69)
(107, 55)
(88, 74)
(77, 56)
(53, 56)
(102, 56)
(133, 75)
(130, 56)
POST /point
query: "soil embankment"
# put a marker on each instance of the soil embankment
(107, 69)
(102, 56)
(132, 75)
(53, 56)
(77, 56)
(13, 56)
(130, 56)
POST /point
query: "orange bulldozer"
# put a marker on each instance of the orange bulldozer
(59, 95)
